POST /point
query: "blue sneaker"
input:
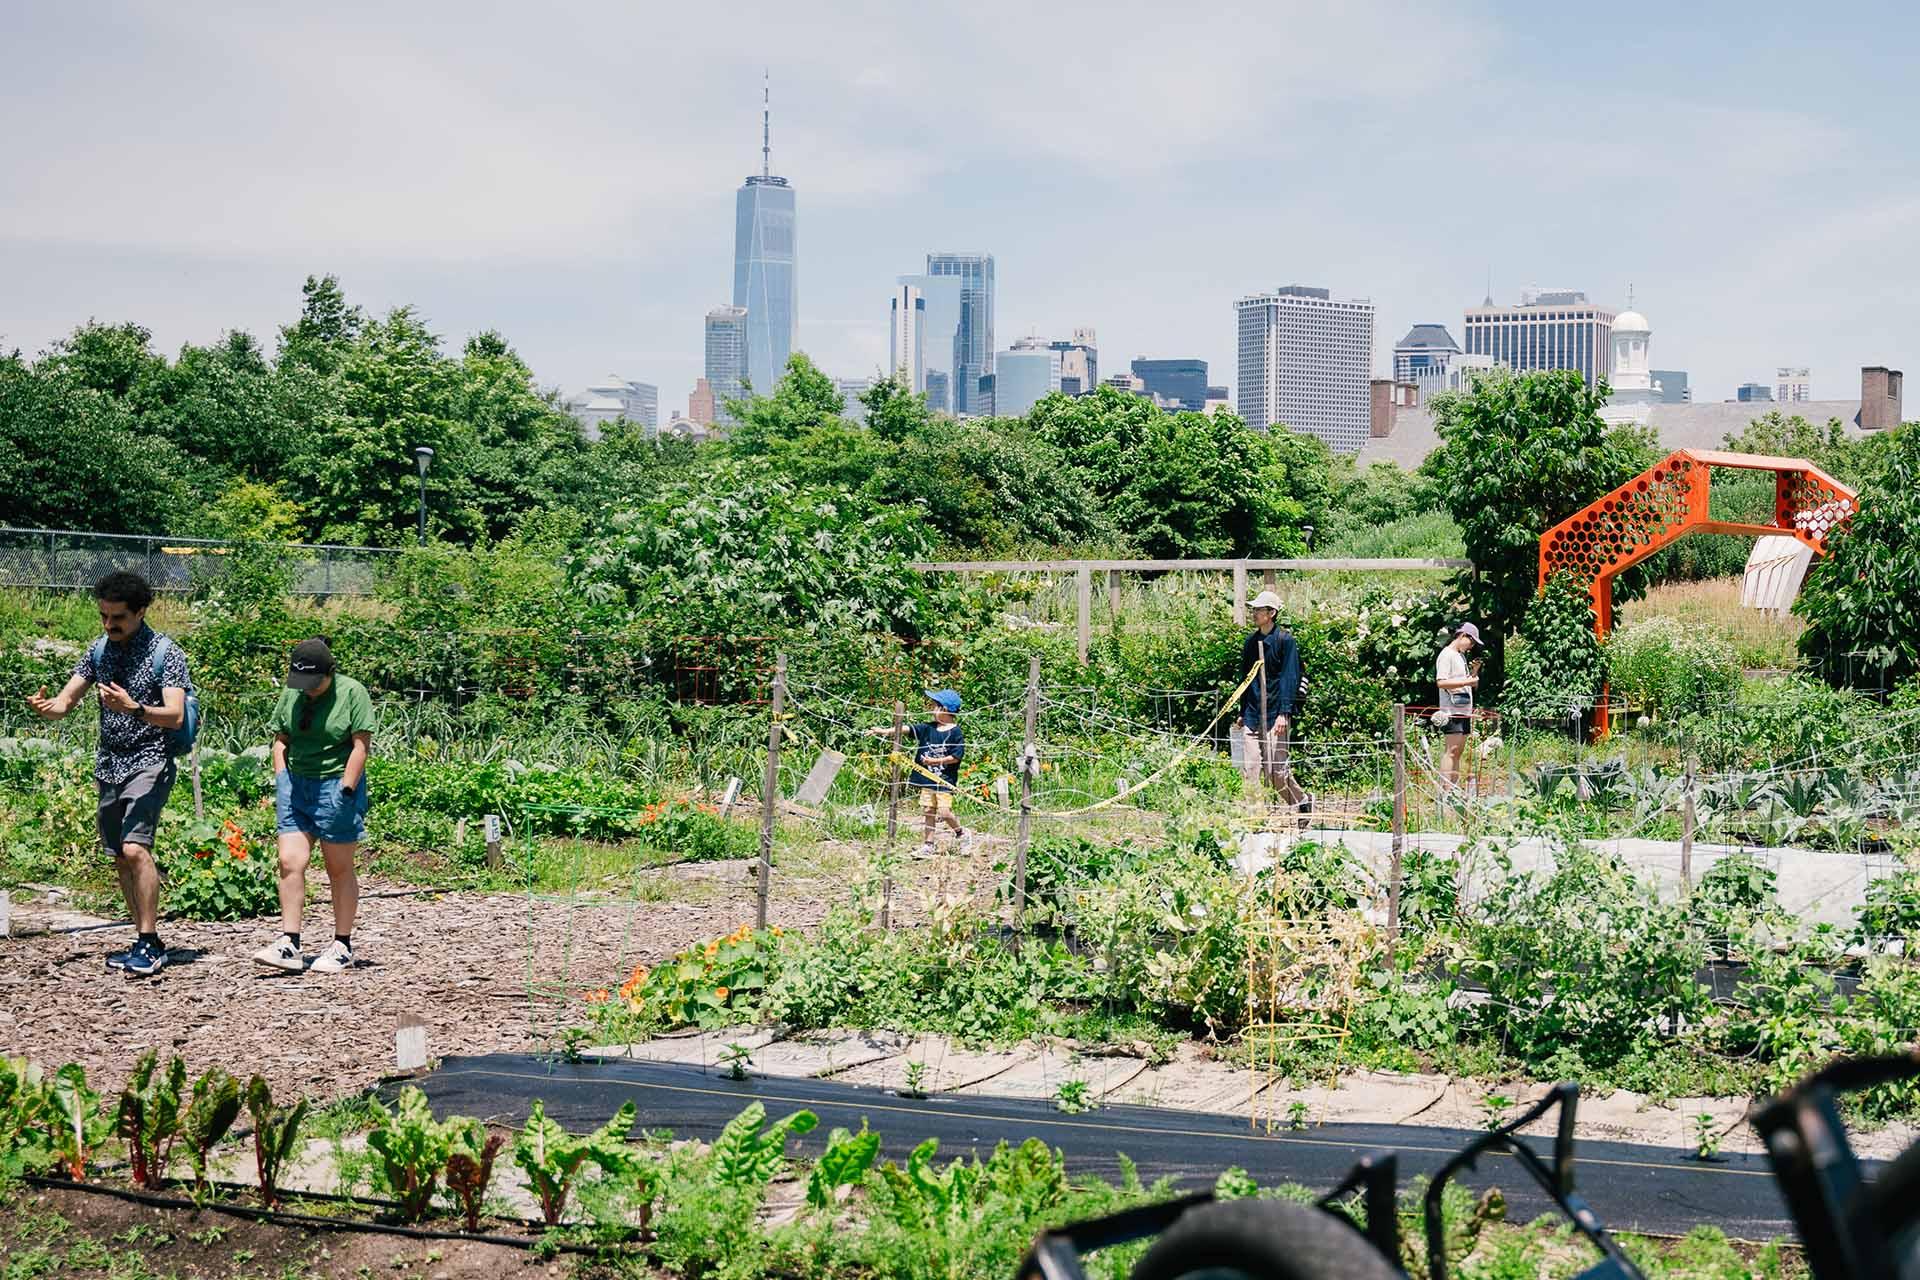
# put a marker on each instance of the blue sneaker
(145, 959)
(118, 959)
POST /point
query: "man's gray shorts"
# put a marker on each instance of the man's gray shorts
(130, 810)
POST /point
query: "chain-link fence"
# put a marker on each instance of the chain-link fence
(62, 559)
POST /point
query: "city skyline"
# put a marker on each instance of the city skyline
(589, 228)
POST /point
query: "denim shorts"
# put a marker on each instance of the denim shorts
(317, 808)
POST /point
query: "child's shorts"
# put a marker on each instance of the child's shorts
(936, 802)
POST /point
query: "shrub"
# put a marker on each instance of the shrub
(1585, 959)
(219, 872)
(1670, 668)
(1557, 664)
(1862, 629)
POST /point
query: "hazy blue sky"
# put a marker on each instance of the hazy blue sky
(566, 172)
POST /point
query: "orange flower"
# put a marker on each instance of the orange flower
(597, 997)
(720, 993)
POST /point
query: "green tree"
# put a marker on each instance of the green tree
(1520, 453)
(518, 451)
(798, 430)
(989, 486)
(75, 457)
(327, 324)
(1860, 601)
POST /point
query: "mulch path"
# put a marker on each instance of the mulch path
(486, 972)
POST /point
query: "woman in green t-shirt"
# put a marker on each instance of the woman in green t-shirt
(323, 729)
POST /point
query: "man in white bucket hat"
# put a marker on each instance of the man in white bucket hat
(1271, 700)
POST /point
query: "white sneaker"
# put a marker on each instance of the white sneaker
(337, 958)
(924, 851)
(281, 954)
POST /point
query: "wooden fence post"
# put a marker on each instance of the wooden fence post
(1240, 595)
(1270, 580)
(893, 809)
(1084, 631)
(1028, 763)
(1399, 821)
(770, 788)
(1113, 597)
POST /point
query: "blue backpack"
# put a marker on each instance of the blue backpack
(179, 741)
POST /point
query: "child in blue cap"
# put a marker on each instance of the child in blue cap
(935, 776)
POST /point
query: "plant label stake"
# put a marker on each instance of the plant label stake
(1686, 832)
(490, 825)
(6, 914)
(1001, 791)
(460, 833)
(770, 789)
(410, 1043)
(193, 767)
(730, 798)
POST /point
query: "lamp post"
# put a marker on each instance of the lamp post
(423, 456)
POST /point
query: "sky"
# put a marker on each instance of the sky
(566, 173)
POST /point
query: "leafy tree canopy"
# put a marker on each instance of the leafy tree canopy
(1860, 600)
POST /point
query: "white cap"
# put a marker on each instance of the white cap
(1267, 600)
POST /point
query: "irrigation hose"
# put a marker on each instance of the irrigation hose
(257, 1213)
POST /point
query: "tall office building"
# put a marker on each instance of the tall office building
(1558, 329)
(1305, 361)
(1672, 386)
(1182, 381)
(1424, 352)
(906, 325)
(1752, 392)
(975, 358)
(851, 389)
(1079, 362)
(763, 266)
(1023, 376)
(1792, 384)
(613, 398)
(700, 404)
(726, 356)
(940, 335)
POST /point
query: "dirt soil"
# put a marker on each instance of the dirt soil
(64, 1233)
(499, 972)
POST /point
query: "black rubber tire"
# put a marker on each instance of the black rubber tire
(1263, 1240)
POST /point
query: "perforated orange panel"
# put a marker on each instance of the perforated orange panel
(1672, 499)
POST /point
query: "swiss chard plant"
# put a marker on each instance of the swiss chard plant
(276, 1136)
(841, 1166)
(470, 1166)
(149, 1116)
(25, 1110)
(77, 1124)
(412, 1149)
(552, 1158)
(210, 1114)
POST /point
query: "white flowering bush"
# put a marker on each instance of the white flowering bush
(1670, 668)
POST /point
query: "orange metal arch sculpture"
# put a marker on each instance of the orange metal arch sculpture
(1671, 500)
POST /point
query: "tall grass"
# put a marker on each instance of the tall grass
(1428, 535)
(1758, 639)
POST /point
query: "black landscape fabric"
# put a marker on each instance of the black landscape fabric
(1639, 1188)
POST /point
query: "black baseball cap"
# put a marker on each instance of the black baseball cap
(312, 662)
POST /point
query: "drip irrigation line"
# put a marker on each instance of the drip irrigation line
(282, 1217)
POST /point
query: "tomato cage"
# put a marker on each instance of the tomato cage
(1672, 499)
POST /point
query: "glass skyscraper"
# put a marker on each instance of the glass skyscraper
(763, 269)
(1182, 381)
(726, 356)
(940, 346)
(976, 321)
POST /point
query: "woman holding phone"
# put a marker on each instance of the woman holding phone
(323, 730)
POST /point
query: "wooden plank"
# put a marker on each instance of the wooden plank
(1240, 595)
(1085, 629)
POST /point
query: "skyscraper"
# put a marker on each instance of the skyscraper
(1559, 329)
(763, 265)
(975, 271)
(700, 404)
(1023, 376)
(939, 334)
(1672, 386)
(1425, 351)
(1182, 381)
(1305, 360)
(1752, 391)
(726, 356)
(1079, 362)
(1792, 384)
(906, 329)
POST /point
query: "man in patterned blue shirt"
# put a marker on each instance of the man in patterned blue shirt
(142, 676)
